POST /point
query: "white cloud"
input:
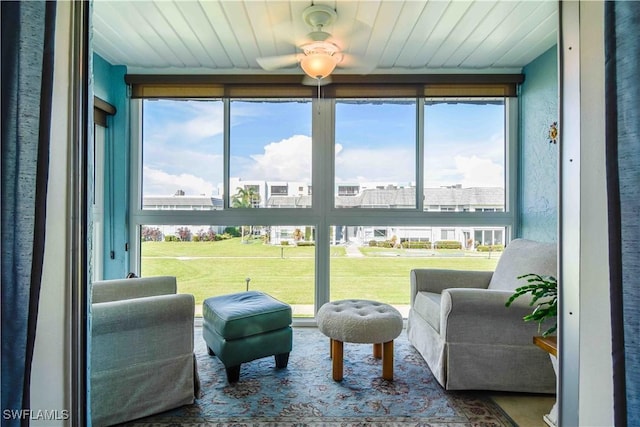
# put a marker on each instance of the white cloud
(160, 183)
(176, 160)
(205, 120)
(285, 160)
(479, 172)
(363, 164)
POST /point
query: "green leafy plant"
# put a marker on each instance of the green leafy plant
(544, 290)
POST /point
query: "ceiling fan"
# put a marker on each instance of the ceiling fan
(321, 53)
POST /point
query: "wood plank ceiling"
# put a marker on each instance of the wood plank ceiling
(391, 36)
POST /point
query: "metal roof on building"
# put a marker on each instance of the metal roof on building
(369, 198)
(405, 198)
(209, 202)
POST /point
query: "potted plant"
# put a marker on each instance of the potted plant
(544, 290)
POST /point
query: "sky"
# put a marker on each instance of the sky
(271, 141)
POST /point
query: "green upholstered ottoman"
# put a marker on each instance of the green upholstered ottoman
(246, 326)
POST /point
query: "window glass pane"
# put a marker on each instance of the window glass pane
(215, 260)
(464, 156)
(270, 164)
(374, 262)
(182, 154)
(375, 154)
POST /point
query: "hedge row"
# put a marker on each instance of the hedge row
(405, 244)
(490, 248)
(416, 245)
(448, 244)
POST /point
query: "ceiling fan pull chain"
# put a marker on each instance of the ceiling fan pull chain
(318, 95)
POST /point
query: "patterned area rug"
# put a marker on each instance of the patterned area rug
(305, 394)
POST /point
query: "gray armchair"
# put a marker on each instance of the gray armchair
(460, 325)
(142, 359)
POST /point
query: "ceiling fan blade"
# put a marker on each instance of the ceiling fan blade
(349, 34)
(295, 34)
(271, 63)
(356, 64)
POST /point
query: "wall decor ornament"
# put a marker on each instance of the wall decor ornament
(553, 133)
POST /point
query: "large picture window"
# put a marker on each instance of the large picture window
(464, 155)
(270, 159)
(375, 152)
(182, 154)
(344, 175)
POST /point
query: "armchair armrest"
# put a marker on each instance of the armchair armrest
(137, 331)
(480, 316)
(437, 280)
(122, 289)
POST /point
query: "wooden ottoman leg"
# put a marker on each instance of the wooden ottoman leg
(337, 349)
(377, 350)
(387, 360)
(331, 348)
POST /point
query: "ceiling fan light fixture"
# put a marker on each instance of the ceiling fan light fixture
(318, 65)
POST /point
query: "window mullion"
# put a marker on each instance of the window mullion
(323, 123)
(420, 118)
(226, 153)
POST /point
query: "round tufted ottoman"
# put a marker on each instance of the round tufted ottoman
(360, 321)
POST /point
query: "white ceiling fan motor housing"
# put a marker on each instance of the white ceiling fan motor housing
(319, 16)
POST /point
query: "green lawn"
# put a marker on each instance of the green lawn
(207, 269)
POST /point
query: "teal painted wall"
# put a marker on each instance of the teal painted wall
(109, 85)
(538, 174)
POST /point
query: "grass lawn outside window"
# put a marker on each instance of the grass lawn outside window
(207, 269)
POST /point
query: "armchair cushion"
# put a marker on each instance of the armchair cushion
(121, 289)
(427, 304)
(523, 257)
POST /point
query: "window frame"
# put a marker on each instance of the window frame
(323, 213)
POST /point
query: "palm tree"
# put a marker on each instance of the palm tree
(246, 197)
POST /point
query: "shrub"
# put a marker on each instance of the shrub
(151, 234)
(305, 243)
(184, 234)
(170, 238)
(284, 243)
(385, 244)
(373, 243)
(490, 248)
(416, 245)
(448, 244)
(205, 235)
(232, 231)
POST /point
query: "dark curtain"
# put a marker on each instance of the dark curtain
(622, 79)
(27, 75)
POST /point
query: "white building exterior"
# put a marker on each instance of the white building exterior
(281, 194)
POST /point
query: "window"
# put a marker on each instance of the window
(280, 190)
(489, 237)
(464, 153)
(182, 154)
(365, 225)
(211, 260)
(448, 234)
(348, 190)
(270, 141)
(375, 152)
(374, 262)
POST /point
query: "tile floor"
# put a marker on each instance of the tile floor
(525, 409)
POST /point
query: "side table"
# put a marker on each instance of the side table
(550, 345)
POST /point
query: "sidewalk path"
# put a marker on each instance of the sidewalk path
(353, 251)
